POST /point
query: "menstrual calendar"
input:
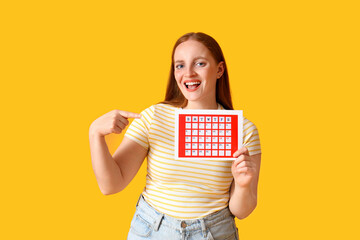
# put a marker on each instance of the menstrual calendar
(208, 134)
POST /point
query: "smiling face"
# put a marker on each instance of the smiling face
(196, 73)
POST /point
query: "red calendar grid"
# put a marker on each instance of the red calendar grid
(207, 135)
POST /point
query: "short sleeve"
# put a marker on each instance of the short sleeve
(138, 130)
(251, 138)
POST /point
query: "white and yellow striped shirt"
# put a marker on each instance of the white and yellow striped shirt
(185, 189)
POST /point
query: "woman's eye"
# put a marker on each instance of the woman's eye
(179, 66)
(201, 64)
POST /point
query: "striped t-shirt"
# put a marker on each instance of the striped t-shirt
(185, 189)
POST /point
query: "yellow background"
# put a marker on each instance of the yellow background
(294, 70)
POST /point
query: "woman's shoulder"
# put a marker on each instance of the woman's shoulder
(160, 108)
(247, 123)
(246, 120)
(164, 107)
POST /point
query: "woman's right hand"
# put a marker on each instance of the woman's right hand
(112, 122)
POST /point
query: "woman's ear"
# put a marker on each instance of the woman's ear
(220, 70)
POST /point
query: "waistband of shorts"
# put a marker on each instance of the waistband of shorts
(208, 220)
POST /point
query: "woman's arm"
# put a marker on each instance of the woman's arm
(243, 191)
(129, 157)
(114, 173)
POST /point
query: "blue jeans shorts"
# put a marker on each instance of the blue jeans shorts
(148, 223)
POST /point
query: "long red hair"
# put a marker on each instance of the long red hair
(173, 94)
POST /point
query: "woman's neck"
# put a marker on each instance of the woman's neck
(201, 105)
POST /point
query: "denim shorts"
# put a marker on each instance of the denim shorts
(148, 223)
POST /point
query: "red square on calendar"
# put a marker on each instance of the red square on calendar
(208, 134)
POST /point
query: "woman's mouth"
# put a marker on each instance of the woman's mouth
(192, 85)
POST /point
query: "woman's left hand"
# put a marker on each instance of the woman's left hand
(243, 168)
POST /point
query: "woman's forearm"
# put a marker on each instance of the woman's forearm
(107, 172)
(242, 202)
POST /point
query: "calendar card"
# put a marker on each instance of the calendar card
(208, 134)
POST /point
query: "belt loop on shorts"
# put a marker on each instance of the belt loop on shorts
(158, 222)
(203, 227)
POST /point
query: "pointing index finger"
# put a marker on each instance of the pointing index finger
(129, 114)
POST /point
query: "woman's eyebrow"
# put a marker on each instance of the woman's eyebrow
(200, 58)
(196, 58)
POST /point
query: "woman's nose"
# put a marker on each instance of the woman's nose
(190, 72)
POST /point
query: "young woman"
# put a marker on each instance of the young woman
(183, 199)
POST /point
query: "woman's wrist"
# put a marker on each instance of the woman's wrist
(247, 190)
(93, 132)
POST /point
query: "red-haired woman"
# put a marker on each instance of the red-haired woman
(182, 199)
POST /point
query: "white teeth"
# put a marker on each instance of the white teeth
(192, 83)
